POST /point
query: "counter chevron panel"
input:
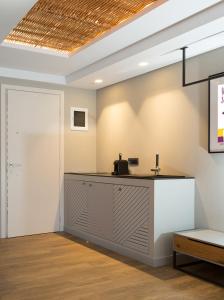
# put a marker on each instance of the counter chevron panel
(76, 195)
(131, 217)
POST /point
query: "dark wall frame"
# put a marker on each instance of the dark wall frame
(184, 83)
(210, 78)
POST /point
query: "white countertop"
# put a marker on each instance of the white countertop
(205, 235)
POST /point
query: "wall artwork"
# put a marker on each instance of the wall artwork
(216, 115)
(79, 118)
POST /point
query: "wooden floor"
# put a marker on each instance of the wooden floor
(56, 266)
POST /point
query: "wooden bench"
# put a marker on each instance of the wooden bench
(204, 245)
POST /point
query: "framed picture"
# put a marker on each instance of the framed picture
(216, 115)
(79, 118)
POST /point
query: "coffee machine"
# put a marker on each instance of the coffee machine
(120, 166)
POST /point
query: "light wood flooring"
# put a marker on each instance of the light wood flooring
(58, 266)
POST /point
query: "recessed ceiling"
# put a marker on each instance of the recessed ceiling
(147, 41)
(65, 25)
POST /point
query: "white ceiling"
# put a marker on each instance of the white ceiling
(154, 37)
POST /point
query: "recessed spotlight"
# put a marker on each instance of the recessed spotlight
(98, 81)
(143, 64)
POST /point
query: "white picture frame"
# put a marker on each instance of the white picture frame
(79, 118)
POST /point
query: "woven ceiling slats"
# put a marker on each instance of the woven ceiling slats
(66, 25)
(65, 29)
(40, 34)
(41, 30)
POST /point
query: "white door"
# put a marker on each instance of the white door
(33, 162)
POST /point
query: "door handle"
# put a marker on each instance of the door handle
(14, 165)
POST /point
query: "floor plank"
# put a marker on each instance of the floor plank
(60, 267)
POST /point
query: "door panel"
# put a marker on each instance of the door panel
(100, 208)
(33, 161)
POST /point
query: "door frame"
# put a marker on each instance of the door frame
(3, 167)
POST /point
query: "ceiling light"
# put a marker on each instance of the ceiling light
(98, 81)
(143, 64)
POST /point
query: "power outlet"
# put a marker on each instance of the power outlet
(133, 161)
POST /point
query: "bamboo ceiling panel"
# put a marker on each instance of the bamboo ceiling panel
(66, 25)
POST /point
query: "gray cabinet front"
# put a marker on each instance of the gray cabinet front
(100, 209)
(117, 213)
(132, 217)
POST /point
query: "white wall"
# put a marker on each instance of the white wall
(154, 113)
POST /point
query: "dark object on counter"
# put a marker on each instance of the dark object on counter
(120, 166)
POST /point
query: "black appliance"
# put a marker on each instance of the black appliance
(120, 166)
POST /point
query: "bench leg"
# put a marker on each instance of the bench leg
(174, 259)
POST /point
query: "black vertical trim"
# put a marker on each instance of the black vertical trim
(184, 84)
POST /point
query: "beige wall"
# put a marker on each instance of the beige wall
(80, 147)
(153, 113)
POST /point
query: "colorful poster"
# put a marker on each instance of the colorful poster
(216, 115)
(220, 133)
